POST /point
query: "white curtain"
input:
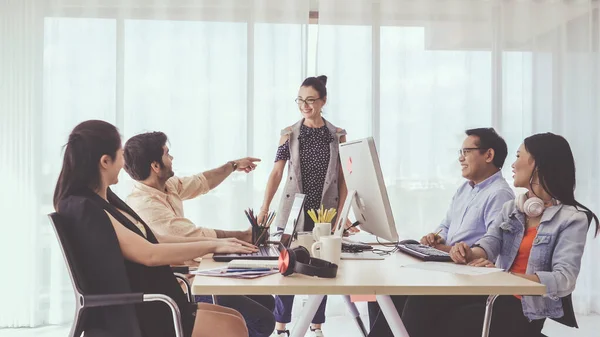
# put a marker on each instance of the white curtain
(20, 92)
(220, 77)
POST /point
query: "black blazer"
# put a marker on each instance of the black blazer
(106, 271)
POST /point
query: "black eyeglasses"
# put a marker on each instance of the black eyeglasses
(465, 150)
(309, 101)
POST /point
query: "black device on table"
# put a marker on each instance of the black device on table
(355, 247)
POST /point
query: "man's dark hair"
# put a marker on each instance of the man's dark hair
(141, 151)
(489, 139)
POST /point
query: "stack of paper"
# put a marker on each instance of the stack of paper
(236, 273)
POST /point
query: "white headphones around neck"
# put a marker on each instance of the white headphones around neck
(532, 207)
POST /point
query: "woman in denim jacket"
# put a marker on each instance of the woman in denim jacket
(539, 236)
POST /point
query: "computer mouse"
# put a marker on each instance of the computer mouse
(409, 242)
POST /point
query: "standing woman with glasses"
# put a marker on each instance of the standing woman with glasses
(311, 149)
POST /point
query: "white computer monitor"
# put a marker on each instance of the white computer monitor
(367, 193)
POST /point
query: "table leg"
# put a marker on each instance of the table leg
(392, 315)
(354, 311)
(487, 320)
(308, 312)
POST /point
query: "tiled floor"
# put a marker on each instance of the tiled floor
(339, 326)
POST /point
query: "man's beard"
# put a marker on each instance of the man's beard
(165, 175)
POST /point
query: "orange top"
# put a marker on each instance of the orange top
(520, 264)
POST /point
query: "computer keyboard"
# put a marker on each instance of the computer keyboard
(263, 251)
(425, 253)
(269, 252)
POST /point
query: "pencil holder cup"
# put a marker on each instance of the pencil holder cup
(260, 235)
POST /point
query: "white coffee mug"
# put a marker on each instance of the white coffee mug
(328, 248)
(304, 239)
(321, 229)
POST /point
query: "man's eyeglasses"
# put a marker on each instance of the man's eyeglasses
(309, 101)
(466, 150)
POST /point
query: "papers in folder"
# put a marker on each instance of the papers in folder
(454, 268)
(236, 273)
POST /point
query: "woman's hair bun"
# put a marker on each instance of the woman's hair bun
(323, 79)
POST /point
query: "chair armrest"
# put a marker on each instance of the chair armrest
(188, 286)
(111, 299)
(134, 298)
(174, 310)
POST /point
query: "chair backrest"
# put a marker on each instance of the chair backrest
(114, 321)
(568, 317)
(59, 224)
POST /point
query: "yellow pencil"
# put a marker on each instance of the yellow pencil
(322, 211)
(332, 215)
(313, 216)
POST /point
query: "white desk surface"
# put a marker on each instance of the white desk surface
(367, 238)
(368, 277)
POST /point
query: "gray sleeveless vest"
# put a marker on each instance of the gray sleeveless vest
(293, 183)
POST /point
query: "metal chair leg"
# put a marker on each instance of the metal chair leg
(487, 320)
(77, 326)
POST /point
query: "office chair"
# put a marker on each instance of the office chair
(85, 301)
(179, 272)
(568, 318)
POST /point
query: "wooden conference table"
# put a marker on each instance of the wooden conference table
(368, 277)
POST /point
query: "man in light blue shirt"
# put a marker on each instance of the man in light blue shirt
(474, 206)
(478, 201)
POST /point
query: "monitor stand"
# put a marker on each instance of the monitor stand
(340, 224)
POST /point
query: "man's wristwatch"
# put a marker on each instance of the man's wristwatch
(234, 165)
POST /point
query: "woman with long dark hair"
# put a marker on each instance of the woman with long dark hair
(100, 221)
(540, 236)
